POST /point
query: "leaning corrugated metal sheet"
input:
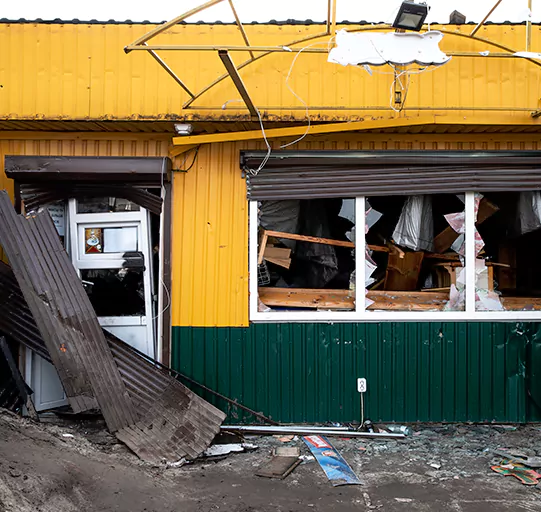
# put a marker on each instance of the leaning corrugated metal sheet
(161, 420)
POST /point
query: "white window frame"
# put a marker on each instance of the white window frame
(360, 314)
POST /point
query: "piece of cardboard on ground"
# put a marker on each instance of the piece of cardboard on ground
(284, 460)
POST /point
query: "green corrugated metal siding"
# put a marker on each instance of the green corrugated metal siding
(427, 372)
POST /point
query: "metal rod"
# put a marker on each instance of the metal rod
(179, 375)
(308, 431)
(244, 64)
(329, 10)
(286, 49)
(241, 27)
(479, 25)
(237, 80)
(529, 27)
(158, 30)
(333, 22)
(170, 72)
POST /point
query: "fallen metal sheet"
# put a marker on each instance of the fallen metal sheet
(167, 421)
(300, 430)
(334, 465)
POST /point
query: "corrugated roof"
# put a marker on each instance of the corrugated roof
(75, 21)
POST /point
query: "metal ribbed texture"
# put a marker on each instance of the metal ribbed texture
(146, 171)
(39, 194)
(315, 174)
(427, 372)
(80, 71)
(172, 421)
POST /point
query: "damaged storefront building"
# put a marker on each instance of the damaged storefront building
(272, 259)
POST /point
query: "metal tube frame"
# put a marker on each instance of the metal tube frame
(141, 44)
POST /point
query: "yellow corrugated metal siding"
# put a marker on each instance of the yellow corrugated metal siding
(78, 71)
(210, 220)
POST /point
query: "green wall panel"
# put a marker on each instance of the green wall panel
(428, 372)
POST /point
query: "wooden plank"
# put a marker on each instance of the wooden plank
(445, 239)
(344, 299)
(313, 239)
(279, 262)
(403, 269)
(507, 277)
(280, 253)
(262, 247)
(520, 303)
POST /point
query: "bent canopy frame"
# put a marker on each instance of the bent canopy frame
(258, 52)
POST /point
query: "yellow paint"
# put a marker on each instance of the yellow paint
(372, 124)
(78, 71)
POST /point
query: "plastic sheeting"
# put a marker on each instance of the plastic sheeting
(415, 227)
(529, 211)
(377, 49)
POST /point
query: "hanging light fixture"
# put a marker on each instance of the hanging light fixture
(411, 16)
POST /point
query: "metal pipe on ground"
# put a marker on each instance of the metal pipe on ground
(270, 431)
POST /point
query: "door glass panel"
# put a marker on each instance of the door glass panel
(110, 240)
(105, 205)
(115, 292)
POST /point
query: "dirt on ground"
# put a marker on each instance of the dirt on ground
(79, 466)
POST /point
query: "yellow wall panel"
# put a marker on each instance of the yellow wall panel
(79, 71)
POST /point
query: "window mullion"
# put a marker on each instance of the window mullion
(252, 259)
(470, 251)
(360, 251)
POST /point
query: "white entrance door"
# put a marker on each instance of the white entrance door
(111, 251)
(42, 377)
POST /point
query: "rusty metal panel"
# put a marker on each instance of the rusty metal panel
(80, 72)
(171, 421)
(146, 171)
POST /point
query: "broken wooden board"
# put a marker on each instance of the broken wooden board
(345, 299)
(445, 239)
(403, 269)
(333, 464)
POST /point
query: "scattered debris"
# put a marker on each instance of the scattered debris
(435, 465)
(526, 475)
(404, 500)
(336, 468)
(68, 435)
(284, 460)
(224, 449)
(399, 429)
(286, 439)
(528, 460)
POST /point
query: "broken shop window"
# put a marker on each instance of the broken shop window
(115, 292)
(415, 257)
(306, 257)
(507, 274)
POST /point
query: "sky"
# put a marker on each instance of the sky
(261, 10)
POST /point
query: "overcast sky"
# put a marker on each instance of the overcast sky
(259, 10)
